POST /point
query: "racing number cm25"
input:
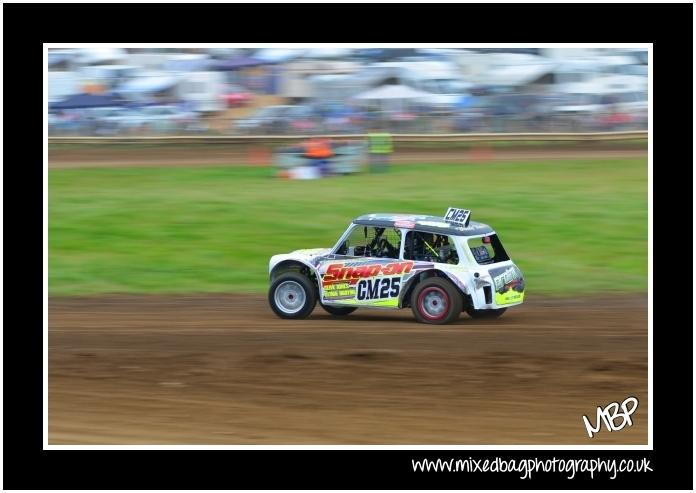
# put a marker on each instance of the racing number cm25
(381, 288)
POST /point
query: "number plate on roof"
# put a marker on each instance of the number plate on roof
(459, 216)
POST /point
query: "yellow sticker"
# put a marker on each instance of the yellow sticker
(511, 296)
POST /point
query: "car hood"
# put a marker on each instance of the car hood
(307, 256)
(310, 253)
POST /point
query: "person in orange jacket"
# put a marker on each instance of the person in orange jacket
(319, 150)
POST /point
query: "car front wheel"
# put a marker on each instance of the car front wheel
(292, 296)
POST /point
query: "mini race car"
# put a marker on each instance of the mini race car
(438, 267)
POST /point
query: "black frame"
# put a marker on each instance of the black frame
(668, 26)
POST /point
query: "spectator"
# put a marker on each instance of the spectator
(380, 146)
(319, 151)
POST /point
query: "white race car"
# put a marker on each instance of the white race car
(437, 266)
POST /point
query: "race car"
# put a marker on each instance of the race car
(437, 266)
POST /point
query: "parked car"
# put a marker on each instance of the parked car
(163, 119)
(121, 120)
(108, 120)
(203, 90)
(264, 120)
(235, 96)
(278, 119)
(299, 119)
(70, 122)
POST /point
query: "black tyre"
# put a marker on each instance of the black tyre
(292, 295)
(485, 313)
(436, 301)
(338, 311)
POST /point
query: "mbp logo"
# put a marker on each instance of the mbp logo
(610, 414)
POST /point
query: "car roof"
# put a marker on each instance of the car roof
(430, 224)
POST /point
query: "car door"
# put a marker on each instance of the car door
(365, 268)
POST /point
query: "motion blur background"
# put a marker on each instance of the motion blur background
(166, 202)
(108, 91)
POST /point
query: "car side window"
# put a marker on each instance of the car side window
(372, 241)
(487, 250)
(430, 247)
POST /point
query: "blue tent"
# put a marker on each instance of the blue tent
(87, 101)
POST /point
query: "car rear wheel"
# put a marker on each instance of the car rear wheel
(338, 311)
(436, 301)
(485, 313)
(292, 295)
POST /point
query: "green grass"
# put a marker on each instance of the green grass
(572, 226)
(639, 143)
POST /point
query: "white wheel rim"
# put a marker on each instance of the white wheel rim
(289, 297)
(434, 304)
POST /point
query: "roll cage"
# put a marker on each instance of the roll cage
(460, 244)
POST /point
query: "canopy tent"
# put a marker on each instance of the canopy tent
(517, 75)
(225, 52)
(507, 69)
(237, 63)
(439, 51)
(610, 84)
(147, 85)
(328, 53)
(80, 101)
(384, 54)
(58, 57)
(101, 55)
(62, 85)
(394, 97)
(189, 62)
(276, 55)
(394, 91)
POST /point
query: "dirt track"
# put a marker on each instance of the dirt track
(213, 369)
(221, 156)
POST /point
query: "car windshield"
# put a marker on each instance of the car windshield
(371, 241)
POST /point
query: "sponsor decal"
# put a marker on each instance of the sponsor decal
(376, 284)
(339, 291)
(435, 224)
(337, 273)
(508, 297)
(404, 224)
(508, 284)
